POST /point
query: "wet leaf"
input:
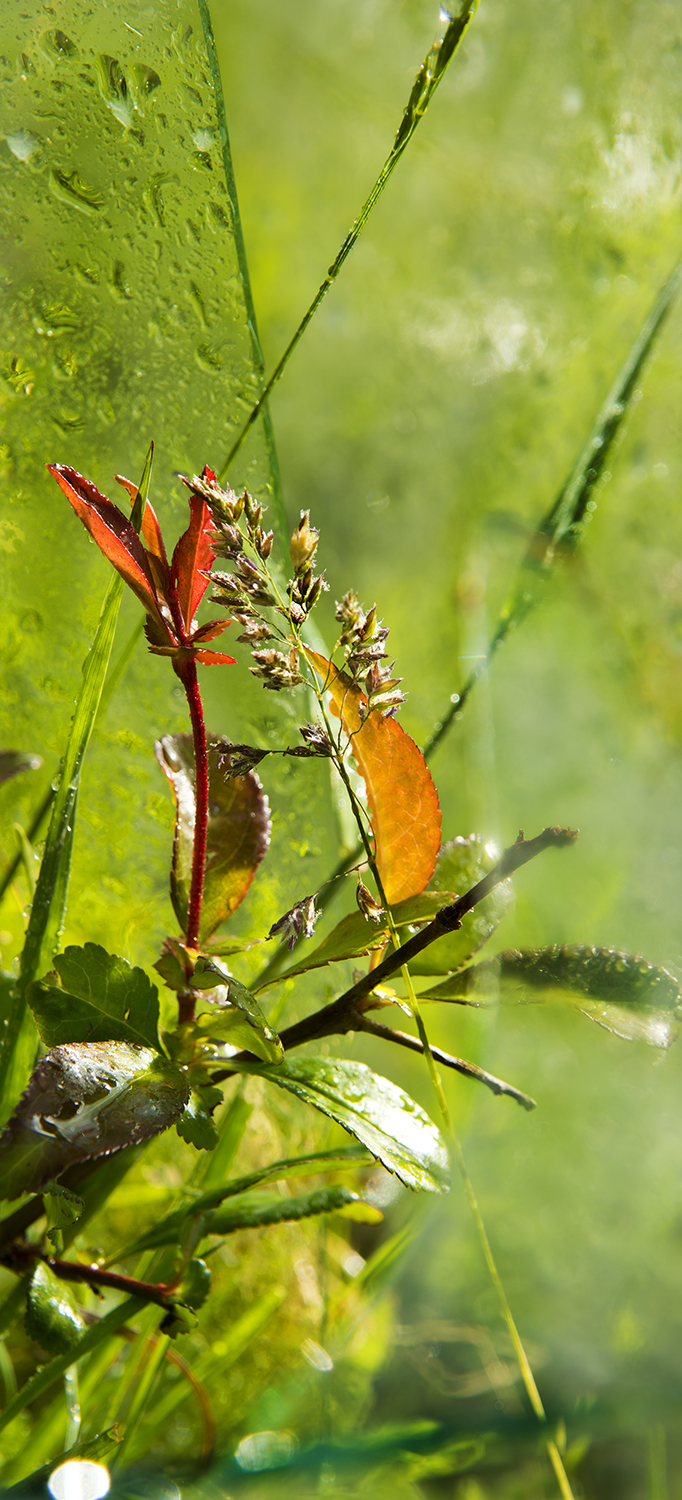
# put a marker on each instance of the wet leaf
(83, 1101)
(238, 832)
(13, 762)
(354, 936)
(95, 996)
(255, 1210)
(461, 863)
(628, 996)
(51, 1315)
(396, 1131)
(401, 797)
(235, 1015)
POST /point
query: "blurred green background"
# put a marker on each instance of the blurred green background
(427, 420)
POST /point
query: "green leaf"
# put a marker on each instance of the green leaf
(354, 936)
(195, 1284)
(85, 1101)
(51, 1315)
(635, 999)
(234, 1015)
(238, 832)
(195, 1124)
(168, 1232)
(95, 996)
(461, 863)
(378, 1113)
(13, 762)
(61, 1209)
(254, 1210)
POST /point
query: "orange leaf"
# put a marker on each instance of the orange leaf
(401, 797)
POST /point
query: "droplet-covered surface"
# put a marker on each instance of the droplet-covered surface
(123, 313)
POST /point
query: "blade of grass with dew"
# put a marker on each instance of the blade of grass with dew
(49, 900)
(561, 529)
(424, 87)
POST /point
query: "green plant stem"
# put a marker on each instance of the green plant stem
(423, 89)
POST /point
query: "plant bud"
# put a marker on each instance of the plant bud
(303, 544)
(370, 908)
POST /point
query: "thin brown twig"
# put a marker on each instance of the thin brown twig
(470, 1070)
(345, 1013)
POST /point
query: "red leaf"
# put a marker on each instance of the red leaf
(193, 556)
(150, 531)
(401, 797)
(209, 631)
(215, 659)
(112, 532)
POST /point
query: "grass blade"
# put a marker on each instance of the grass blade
(49, 900)
(561, 529)
(47, 912)
(46, 1376)
(236, 224)
(423, 89)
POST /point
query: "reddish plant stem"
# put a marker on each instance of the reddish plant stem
(94, 1276)
(188, 677)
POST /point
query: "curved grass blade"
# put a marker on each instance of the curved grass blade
(634, 999)
(168, 1231)
(424, 87)
(561, 529)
